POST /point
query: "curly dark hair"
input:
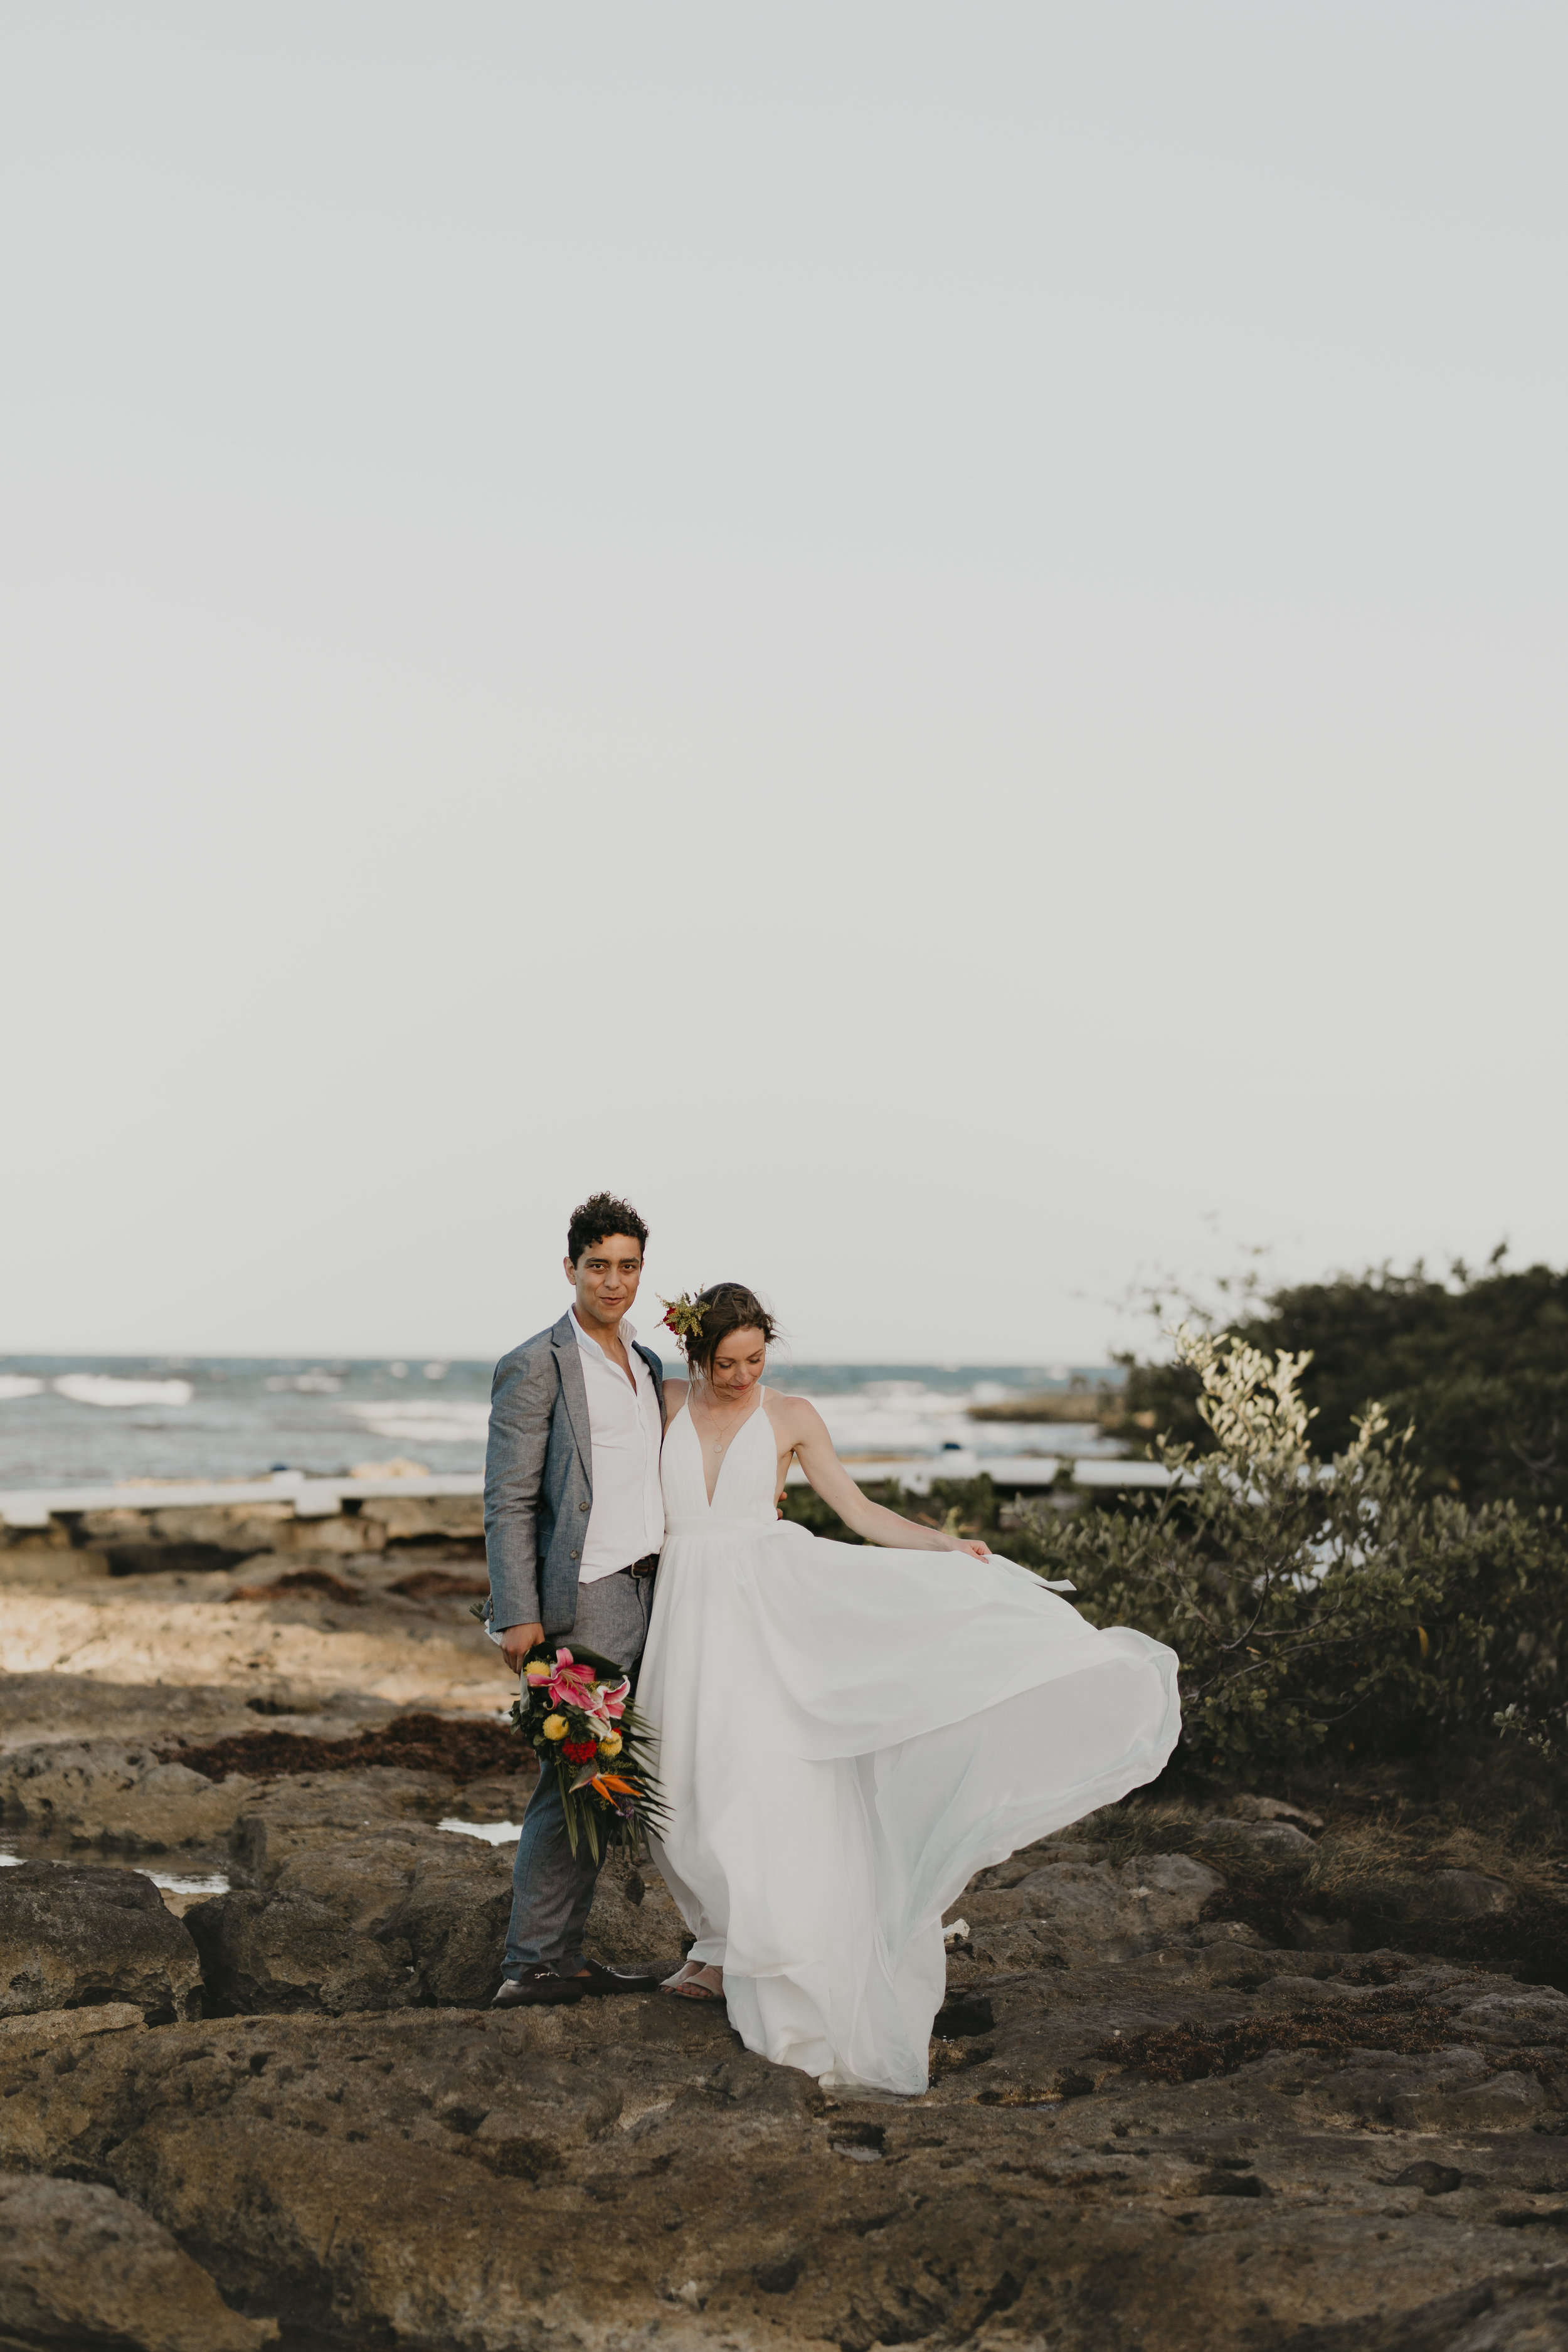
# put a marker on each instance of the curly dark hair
(597, 1219)
(726, 1306)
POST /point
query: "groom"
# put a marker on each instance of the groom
(573, 1526)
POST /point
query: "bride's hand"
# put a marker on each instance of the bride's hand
(975, 1548)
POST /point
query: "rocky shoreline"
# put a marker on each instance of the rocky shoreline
(1209, 2075)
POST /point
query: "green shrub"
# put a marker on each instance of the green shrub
(1478, 1363)
(1316, 1604)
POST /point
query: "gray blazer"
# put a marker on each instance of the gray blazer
(538, 1478)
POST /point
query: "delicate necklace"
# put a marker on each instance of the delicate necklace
(723, 1442)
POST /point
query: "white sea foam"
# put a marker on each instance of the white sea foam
(307, 1383)
(493, 1832)
(426, 1425)
(16, 1384)
(892, 1417)
(102, 1389)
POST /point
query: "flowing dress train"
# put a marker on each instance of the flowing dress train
(847, 1735)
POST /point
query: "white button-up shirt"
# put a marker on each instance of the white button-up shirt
(627, 1521)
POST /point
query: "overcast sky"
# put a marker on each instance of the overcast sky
(930, 636)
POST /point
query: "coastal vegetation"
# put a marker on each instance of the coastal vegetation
(1474, 1367)
(1319, 1607)
(1337, 1589)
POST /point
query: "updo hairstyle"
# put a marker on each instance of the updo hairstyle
(726, 1306)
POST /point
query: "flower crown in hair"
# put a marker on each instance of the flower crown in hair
(683, 1315)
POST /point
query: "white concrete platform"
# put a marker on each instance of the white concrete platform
(312, 1498)
(323, 1498)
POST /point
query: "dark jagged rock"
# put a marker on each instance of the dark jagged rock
(1058, 1906)
(113, 1792)
(437, 1901)
(594, 2174)
(81, 2268)
(279, 1954)
(72, 1934)
(1172, 2109)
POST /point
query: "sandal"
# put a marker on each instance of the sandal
(687, 1985)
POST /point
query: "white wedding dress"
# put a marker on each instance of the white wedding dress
(847, 1735)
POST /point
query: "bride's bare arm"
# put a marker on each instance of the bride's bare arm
(800, 1426)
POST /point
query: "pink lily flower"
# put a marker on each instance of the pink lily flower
(572, 1684)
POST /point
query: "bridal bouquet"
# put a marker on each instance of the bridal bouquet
(574, 1709)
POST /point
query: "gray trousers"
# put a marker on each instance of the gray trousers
(552, 1888)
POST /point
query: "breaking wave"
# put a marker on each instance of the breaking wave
(426, 1424)
(103, 1389)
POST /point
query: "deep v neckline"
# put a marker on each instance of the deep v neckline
(724, 1459)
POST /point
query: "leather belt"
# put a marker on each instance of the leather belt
(645, 1566)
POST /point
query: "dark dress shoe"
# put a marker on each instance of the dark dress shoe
(601, 1980)
(535, 1986)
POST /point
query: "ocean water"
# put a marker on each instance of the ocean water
(92, 1421)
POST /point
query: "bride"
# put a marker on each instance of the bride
(847, 1735)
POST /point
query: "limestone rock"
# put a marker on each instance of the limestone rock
(1410, 1901)
(408, 1518)
(1534, 2014)
(236, 1529)
(110, 1792)
(1490, 2102)
(1468, 1895)
(324, 1812)
(453, 1923)
(565, 2176)
(80, 2267)
(352, 1844)
(362, 1879)
(39, 2028)
(70, 1935)
(342, 1535)
(130, 1630)
(191, 1541)
(436, 1901)
(1063, 1910)
(1270, 1838)
(275, 1954)
(1501, 2313)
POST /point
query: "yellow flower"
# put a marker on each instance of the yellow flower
(611, 1747)
(555, 1726)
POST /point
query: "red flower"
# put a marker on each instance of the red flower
(579, 1751)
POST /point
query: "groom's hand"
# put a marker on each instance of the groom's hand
(516, 1641)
